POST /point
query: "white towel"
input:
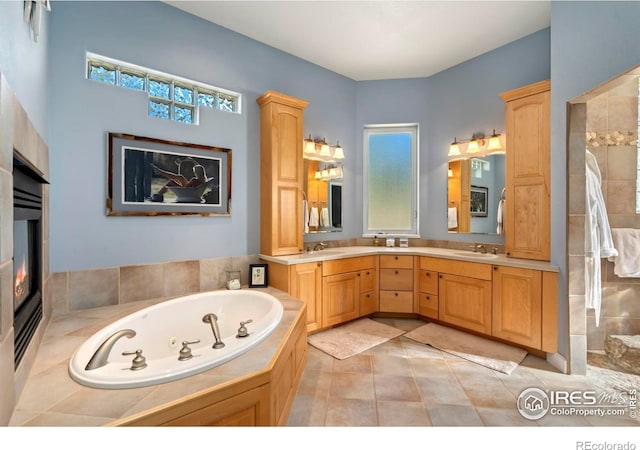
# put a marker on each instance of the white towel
(452, 217)
(627, 262)
(305, 216)
(500, 218)
(324, 217)
(598, 242)
(313, 217)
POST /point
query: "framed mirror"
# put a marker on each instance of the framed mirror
(323, 195)
(474, 189)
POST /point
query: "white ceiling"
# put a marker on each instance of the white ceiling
(373, 40)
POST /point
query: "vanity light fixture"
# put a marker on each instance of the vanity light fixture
(319, 150)
(454, 148)
(495, 146)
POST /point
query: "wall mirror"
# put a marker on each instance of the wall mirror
(475, 187)
(323, 193)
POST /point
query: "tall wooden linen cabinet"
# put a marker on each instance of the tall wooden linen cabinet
(528, 167)
(281, 173)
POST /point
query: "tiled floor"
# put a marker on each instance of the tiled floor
(405, 383)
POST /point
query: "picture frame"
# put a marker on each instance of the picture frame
(479, 201)
(153, 177)
(258, 275)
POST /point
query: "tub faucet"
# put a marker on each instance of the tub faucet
(101, 355)
(212, 319)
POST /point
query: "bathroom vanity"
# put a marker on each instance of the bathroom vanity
(508, 299)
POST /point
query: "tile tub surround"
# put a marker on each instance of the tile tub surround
(52, 398)
(85, 289)
(17, 132)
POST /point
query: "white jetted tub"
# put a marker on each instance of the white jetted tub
(176, 339)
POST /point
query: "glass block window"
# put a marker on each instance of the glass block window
(170, 97)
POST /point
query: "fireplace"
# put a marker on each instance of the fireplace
(27, 256)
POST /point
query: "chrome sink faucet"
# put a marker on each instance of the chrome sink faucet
(479, 248)
(321, 246)
(101, 355)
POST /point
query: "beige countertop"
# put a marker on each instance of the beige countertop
(51, 398)
(460, 255)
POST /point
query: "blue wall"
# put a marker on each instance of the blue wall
(82, 112)
(24, 63)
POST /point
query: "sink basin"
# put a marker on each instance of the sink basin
(476, 255)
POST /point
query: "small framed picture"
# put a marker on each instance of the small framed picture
(258, 275)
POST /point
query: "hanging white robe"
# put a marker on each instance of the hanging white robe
(598, 240)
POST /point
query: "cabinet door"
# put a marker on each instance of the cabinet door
(428, 305)
(367, 280)
(517, 305)
(306, 285)
(528, 194)
(340, 298)
(369, 303)
(396, 301)
(281, 173)
(465, 302)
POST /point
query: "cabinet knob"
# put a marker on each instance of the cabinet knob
(427, 297)
(440, 276)
(396, 258)
(396, 272)
(495, 267)
(427, 274)
(368, 272)
(319, 264)
(395, 293)
(358, 274)
(368, 295)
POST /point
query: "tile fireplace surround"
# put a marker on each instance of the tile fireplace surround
(18, 133)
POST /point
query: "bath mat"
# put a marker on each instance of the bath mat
(353, 338)
(494, 355)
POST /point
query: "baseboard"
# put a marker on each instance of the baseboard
(558, 361)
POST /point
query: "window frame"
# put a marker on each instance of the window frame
(196, 88)
(414, 130)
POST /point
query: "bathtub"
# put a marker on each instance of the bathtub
(161, 329)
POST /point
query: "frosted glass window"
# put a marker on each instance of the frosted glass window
(171, 96)
(391, 180)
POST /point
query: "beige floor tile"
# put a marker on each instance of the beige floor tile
(402, 414)
(355, 364)
(394, 387)
(442, 391)
(315, 382)
(352, 385)
(391, 365)
(319, 360)
(454, 415)
(415, 349)
(430, 368)
(389, 348)
(351, 413)
(308, 411)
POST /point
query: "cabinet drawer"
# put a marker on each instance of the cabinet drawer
(396, 301)
(357, 264)
(396, 262)
(367, 280)
(428, 305)
(429, 281)
(462, 268)
(368, 303)
(396, 279)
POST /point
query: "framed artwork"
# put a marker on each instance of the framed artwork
(258, 275)
(152, 177)
(479, 200)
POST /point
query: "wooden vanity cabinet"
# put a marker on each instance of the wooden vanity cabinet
(397, 283)
(368, 292)
(306, 284)
(428, 299)
(528, 170)
(341, 288)
(464, 292)
(281, 174)
(525, 307)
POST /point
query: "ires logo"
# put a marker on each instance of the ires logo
(534, 403)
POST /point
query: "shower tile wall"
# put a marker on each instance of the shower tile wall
(611, 135)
